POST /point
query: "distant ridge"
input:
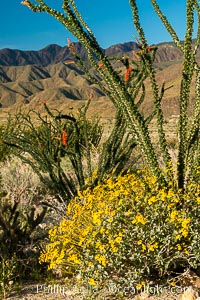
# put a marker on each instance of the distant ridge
(29, 77)
(53, 54)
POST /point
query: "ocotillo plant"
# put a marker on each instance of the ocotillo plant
(124, 98)
(43, 142)
(59, 145)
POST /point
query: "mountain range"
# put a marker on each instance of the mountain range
(53, 54)
(29, 77)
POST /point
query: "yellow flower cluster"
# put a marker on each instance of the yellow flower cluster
(181, 222)
(139, 219)
(121, 228)
(152, 247)
(101, 259)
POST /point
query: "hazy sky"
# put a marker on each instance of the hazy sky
(111, 21)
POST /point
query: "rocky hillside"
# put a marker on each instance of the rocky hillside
(29, 77)
(30, 83)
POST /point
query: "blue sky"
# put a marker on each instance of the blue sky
(111, 21)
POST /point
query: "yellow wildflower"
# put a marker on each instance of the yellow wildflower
(74, 259)
(114, 249)
(127, 213)
(120, 202)
(152, 200)
(91, 281)
(178, 236)
(96, 219)
(186, 252)
(143, 247)
(152, 247)
(118, 239)
(102, 230)
(90, 264)
(101, 259)
(186, 222)
(139, 219)
(138, 286)
(173, 215)
(170, 193)
(184, 232)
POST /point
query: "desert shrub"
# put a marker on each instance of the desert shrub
(60, 147)
(21, 184)
(24, 209)
(8, 270)
(5, 150)
(49, 142)
(131, 230)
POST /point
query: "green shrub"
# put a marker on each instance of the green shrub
(5, 150)
(49, 143)
(131, 230)
(9, 272)
(60, 147)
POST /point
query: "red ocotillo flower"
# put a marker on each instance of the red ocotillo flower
(71, 62)
(91, 96)
(138, 42)
(70, 46)
(127, 74)
(26, 3)
(140, 46)
(64, 138)
(68, 42)
(149, 48)
(100, 64)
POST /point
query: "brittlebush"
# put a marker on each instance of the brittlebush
(127, 230)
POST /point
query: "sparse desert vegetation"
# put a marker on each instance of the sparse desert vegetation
(109, 209)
